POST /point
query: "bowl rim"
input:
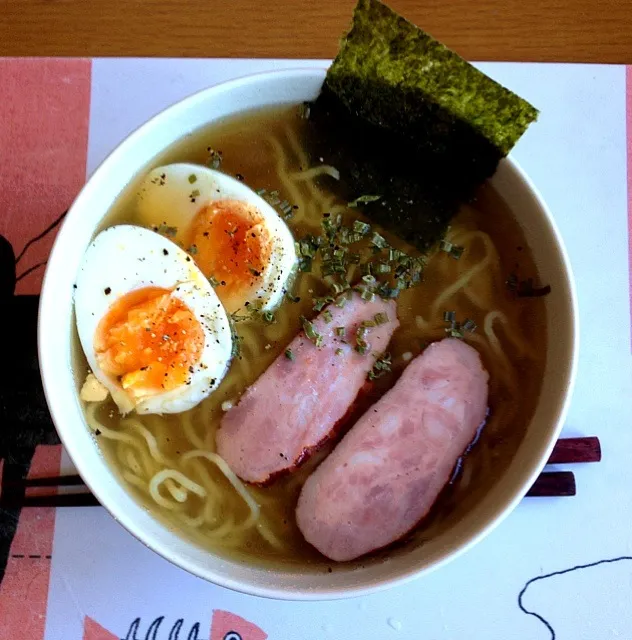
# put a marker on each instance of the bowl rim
(56, 407)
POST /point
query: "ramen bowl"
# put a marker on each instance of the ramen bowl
(57, 340)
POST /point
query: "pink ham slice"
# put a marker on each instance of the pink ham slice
(297, 403)
(387, 472)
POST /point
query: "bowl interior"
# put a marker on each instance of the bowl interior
(55, 335)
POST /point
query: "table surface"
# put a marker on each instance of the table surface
(528, 30)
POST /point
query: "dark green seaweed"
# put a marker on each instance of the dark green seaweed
(404, 118)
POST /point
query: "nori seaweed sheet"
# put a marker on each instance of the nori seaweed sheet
(403, 117)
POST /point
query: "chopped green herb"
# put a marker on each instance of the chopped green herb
(368, 324)
(235, 316)
(268, 316)
(367, 296)
(192, 178)
(457, 329)
(363, 200)
(273, 198)
(361, 227)
(195, 193)
(338, 287)
(339, 352)
(512, 282)
(339, 254)
(379, 241)
(166, 230)
(388, 293)
(192, 250)
(454, 250)
(305, 264)
(340, 332)
(304, 110)
(331, 225)
(214, 282)
(305, 248)
(382, 268)
(341, 301)
(321, 303)
(288, 354)
(362, 347)
(291, 297)
(380, 318)
(457, 252)
(327, 316)
(381, 366)
(310, 332)
(214, 158)
(418, 263)
(236, 346)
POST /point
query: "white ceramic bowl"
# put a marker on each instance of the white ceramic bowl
(56, 320)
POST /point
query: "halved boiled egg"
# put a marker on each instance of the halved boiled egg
(153, 329)
(236, 238)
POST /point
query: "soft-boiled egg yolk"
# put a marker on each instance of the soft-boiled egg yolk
(153, 330)
(149, 340)
(232, 246)
(235, 237)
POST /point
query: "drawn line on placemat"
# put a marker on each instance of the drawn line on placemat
(29, 271)
(224, 626)
(32, 556)
(154, 627)
(578, 567)
(14, 438)
(41, 235)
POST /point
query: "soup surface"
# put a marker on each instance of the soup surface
(265, 149)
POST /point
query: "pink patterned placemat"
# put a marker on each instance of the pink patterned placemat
(74, 573)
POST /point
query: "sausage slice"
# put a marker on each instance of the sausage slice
(299, 400)
(387, 472)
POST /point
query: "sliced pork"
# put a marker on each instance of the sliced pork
(387, 472)
(298, 402)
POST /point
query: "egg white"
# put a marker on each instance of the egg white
(124, 258)
(169, 196)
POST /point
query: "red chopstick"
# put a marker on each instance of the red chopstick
(570, 450)
(548, 483)
(553, 484)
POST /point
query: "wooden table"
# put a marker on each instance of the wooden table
(532, 30)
